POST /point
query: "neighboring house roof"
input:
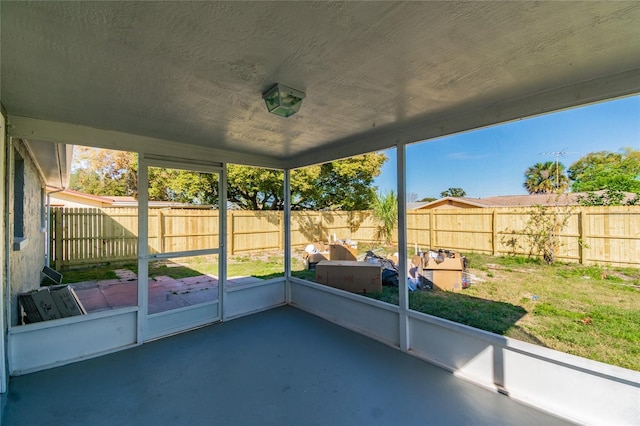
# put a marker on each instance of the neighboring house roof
(71, 198)
(124, 200)
(416, 206)
(129, 201)
(454, 202)
(566, 199)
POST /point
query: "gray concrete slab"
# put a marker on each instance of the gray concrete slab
(280, 367)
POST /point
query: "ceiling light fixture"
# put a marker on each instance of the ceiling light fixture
(282, 100)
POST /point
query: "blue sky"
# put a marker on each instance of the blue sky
(492, 161)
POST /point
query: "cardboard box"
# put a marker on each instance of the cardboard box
(342, 252)
(39, 305)
(67, 301)
(444, 280)
(47, 303)
(313, 259)
(446, 275)
(448, 264)
(356, 277)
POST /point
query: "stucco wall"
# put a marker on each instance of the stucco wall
(25, 264)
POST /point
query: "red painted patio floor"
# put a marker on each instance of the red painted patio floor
(165, 293)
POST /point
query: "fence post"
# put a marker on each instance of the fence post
(160, 231)
(280, 230)
(58, 237)
(494, 232)
(231, 224)
(432, 233)
(582, 241)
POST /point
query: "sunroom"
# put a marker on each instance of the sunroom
(190, 86)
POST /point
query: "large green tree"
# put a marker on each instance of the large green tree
(339, 185)
(607, 170)
(104, 172)
(182, 186)
(546, 178)
(608, 197)
(453, 192)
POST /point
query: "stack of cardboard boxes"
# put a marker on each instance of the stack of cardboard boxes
(318, 251)
(342, 270)
(444, 270)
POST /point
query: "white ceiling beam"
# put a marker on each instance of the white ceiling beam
(72, 134)
(587, 92)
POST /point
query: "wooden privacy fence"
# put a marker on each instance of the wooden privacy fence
(86, 236)
(603, 235)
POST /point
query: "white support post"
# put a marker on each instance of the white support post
(5, 297)
(143, 246)
(286, 218)
(222, 232)
(405, 344)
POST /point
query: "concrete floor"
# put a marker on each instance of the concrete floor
(280, 367)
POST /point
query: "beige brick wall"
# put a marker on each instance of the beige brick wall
(25, 265)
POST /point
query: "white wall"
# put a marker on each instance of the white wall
(248, 299)
(370, 317)
(47, 344)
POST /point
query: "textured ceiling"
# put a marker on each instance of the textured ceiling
(385, 72)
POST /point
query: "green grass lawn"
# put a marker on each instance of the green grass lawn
(589, 311)
(264, 266)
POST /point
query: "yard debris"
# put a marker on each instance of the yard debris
(337, 250)
(389, 268)
(440, 268)
(473, 278)
(446, 269)
(586, 321)
(314, 253)
(48, 303)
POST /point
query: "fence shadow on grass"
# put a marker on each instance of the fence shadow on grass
(488, 315)
(496, 317)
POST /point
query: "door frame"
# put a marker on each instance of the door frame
(154, 326)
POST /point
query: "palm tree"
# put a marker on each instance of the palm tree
(385, 211)
(546, 178)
